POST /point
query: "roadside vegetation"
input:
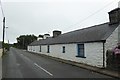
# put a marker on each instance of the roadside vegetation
(24, 40)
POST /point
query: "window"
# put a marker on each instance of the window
(63, 49)
(48, 49)
(80, 50)
(40, 48)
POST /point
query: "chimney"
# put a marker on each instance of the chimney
(45, 36)
(40, 37)
(56, 33)
(114, 16)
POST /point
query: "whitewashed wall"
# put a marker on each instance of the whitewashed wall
(70, 50)
(93, 52)
(37, 48)
(111, 42)
(28, 48)
(44, 49)
(33, 48)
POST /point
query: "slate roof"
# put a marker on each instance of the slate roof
(91, 34)
(0, 45)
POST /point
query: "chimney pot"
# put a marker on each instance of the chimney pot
(45, 36)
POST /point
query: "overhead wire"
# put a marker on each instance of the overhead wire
(2, 9)
(86, 18)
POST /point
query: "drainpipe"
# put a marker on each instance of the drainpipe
(103, 54)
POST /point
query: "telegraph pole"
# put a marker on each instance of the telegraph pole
(3, 26)
(3, 34)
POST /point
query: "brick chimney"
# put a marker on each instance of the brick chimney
(114, 16)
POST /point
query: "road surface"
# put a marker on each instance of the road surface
(21, 64)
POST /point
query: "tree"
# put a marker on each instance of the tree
(24, 40)
(40, 36)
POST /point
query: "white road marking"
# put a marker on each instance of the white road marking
(37, 65)
(43, 69)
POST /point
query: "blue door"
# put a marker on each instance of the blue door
(48, 49)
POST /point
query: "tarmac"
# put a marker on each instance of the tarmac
(104, 71)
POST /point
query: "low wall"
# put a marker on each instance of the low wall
(113, 61)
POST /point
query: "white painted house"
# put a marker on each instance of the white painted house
(88, 45)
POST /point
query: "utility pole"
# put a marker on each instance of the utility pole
(3, 34)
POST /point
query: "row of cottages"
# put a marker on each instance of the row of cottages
(87, 45)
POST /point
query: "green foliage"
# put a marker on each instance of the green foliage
(6, 46)
(40, 36)
(24, 40)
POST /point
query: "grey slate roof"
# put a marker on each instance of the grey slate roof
(91, 34)
(0, 45)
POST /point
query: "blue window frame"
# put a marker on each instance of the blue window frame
(48, 49)
(80, 50)
(63, 50)
(40, 48)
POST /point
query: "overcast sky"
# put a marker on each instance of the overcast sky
(43, 16)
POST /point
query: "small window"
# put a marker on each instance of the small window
(63, 49)
(40, 48)
(81, 51)
(48, 49)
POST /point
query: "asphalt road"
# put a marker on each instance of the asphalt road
(21, 64)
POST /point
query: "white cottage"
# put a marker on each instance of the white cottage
(88, 45)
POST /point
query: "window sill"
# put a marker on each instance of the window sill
(81, 56)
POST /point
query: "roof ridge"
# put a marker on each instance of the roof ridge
(87, 27)
(90, 34)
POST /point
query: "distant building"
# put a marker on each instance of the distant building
(87, 45)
